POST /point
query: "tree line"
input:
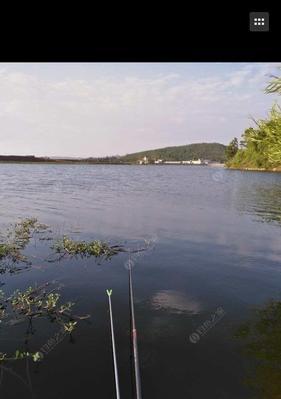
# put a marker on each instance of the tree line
(209, 151)
(260, 146)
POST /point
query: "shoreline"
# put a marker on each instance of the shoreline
(69, 162)
(63, 163)
(215, 165)
(273, 170)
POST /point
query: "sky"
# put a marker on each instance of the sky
(99, 109)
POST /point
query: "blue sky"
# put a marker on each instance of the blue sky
(105, 109)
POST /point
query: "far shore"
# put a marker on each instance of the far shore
(89, 162)
(84, 162)
(66, 162)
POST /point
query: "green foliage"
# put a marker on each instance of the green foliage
(40, 302)
(19, 355)
(275, 85)
(69, 327)
(262, 144)
(210, 151)
(14, 241)
(95, 248)
(231, 149)
(17, 238)
(7, 250)
(33, 303)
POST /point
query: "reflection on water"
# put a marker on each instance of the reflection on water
(262, 342)
(211, 251)
(174, 302)
(261, 200)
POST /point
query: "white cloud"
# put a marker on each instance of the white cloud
(118, 114)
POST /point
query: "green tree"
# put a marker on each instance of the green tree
(232, 148)
(260, 146)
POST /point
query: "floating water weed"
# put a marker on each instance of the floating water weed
(99, 249)
(35, 302)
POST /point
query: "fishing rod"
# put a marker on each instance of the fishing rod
(134, 336)
(109, 292)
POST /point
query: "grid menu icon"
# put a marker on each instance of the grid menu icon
(259, 21)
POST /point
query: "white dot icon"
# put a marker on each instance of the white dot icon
(259, 21)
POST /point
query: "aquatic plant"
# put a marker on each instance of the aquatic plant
(15, 240)
(69, 327)
(35, 302)
(19, 355)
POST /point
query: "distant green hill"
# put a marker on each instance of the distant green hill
(210, 151)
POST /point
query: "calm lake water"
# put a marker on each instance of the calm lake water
(216, 256)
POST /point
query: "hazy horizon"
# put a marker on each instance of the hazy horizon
(94, 110)
(112, 155)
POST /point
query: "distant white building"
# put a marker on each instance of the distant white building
(197, 162)
(143, 161)
(187, 162)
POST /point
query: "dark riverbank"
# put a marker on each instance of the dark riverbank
(86, 161)
(33, 159)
